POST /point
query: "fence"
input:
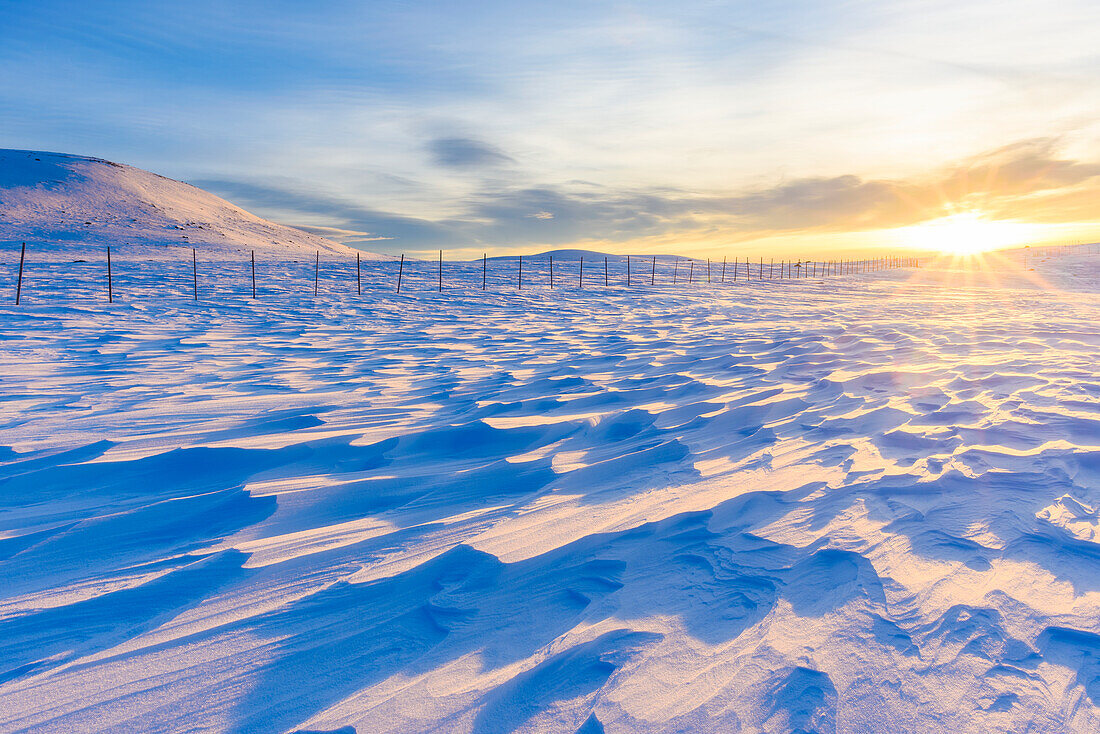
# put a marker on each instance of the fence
(260, 276)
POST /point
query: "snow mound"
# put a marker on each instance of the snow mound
(1073, 516)
(75, 202)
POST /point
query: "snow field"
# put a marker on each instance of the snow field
(856, 504)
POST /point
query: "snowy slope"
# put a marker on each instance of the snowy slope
(52, 200)
(862, 504)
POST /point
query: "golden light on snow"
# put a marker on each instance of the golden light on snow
(965, 233)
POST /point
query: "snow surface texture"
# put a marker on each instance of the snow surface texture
(861, 504)
(62, 201)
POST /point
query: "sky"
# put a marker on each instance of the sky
(693, 127)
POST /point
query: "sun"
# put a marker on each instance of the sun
(967, 233)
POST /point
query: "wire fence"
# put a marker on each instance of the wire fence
(260, 275)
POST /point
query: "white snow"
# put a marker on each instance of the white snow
(862, 503)
(59, 201)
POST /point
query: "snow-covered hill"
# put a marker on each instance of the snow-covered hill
(56, 200)
(592, 256)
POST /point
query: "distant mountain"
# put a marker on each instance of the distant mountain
(61, 201)
(590, 255)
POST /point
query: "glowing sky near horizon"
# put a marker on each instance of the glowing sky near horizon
(630, 126)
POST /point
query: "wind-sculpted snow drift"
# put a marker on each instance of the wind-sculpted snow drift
(863, 504)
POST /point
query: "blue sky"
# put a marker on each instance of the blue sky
(493, 126)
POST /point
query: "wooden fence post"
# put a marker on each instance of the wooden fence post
(628, 271)
(580, 276)
(110, 282)
(551, 272)
(484, 268)
(441, 271)
(400, 271)
(316, 272)
(195, 272)
(253, 275)
(19, 280)
(708, 269)
(675, 269)
(605, 283)
(653, 272)
(691, 269)
(358, 275)
(520, 281)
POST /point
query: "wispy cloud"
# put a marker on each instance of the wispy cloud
(347, 221)
(465, 153)
(1023, 178)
